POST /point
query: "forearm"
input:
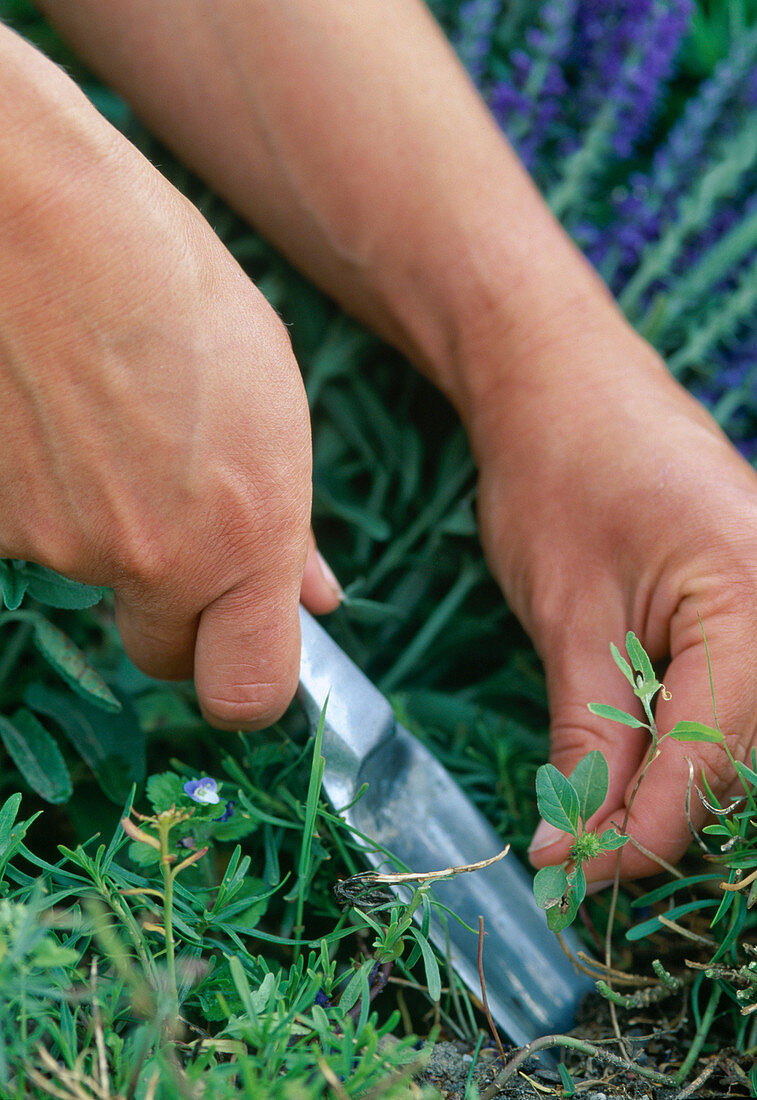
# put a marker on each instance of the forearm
(351, 137)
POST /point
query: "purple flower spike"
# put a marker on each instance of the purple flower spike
(203, 790)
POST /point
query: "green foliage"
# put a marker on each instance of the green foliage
(567, 804)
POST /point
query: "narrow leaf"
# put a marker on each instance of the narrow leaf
(590, 778)
(615, 715)
(430, 965)
(557, 799)
(70, 663)
(36, 755)
(695, 731)
(622, 664)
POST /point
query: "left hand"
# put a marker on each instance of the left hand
(609, 501)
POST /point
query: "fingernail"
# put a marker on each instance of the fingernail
(601, 884)
(545, 835)
(328, 576)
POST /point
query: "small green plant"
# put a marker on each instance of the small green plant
(569, 802)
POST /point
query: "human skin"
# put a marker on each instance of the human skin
(155, 429)
(609, 500)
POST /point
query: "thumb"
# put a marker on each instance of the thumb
(579, 673)
(247, 655)
(321, 591)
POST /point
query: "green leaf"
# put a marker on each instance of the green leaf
(36, 755)
(144, 855)
(612, 839)
(746, 773)
(113, 745)
(557, 799)
(164, 790)
(56, 591)
(639, 931)
(70, 663)
(622, 664)
(615, 715)
(695, 731)
(8, 815)
(559, 919)
(12, 583)
(639, 658)
(567, 1082)
(590, 779)
(48, 954)
(430, 965)
(550, 884)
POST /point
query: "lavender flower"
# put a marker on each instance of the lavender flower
(476, 22)
(203, 790)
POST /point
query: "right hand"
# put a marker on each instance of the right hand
(155, 428)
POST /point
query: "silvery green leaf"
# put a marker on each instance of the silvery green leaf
(70, 663)
(57, 591)
(13, 583)
(557, 799)
(36, 755)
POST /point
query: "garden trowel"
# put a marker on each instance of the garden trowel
(413, 808)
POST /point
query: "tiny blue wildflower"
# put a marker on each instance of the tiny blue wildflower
(203, 790)
(227, 813)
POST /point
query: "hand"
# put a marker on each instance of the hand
(609, 501)
(155, 429)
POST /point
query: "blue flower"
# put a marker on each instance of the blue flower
(227, 813)
(203, 790)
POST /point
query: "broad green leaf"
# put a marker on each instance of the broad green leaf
(622, 664)
(12, 583)
(70, 663)
(695, 731)
(36, 755)
(113, 745)
(557, 799)
(559, 919)
(550, 883)
(144, 855)
(56, 591)
(590, 779)
(164, 790)
(639, 658)
(602, 710)
(612, 839)
(430, 965)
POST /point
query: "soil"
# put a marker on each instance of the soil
(659, 1041)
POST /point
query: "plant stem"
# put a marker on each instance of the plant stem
(166, 859)
(702, 1033)
(584, 1048)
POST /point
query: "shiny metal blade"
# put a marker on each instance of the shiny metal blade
(414, 808)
